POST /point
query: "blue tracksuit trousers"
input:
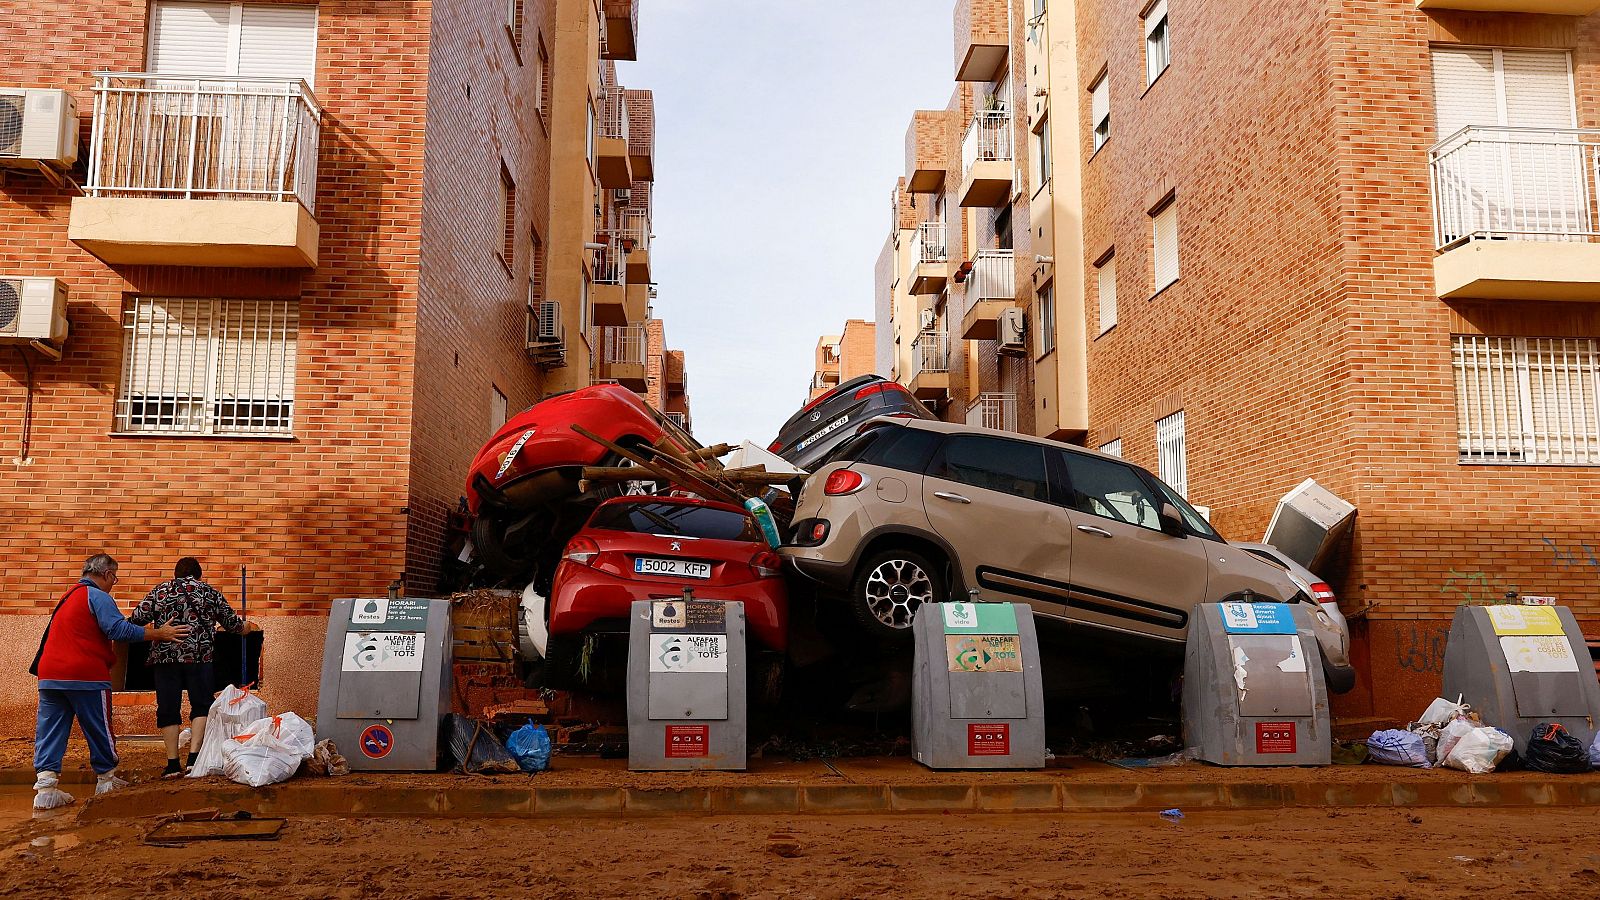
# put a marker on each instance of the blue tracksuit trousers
(57, 709)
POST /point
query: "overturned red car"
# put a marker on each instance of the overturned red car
(522, 491)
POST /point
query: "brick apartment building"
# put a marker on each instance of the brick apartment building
(312, 255)
(1354, 243)
(841, 357)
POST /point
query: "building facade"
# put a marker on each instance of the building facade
(311, 256)
(841, 357)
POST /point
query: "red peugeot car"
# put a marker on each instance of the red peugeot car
(643, 548)
(522, 484)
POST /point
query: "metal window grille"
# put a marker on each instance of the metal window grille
(205, 366)
(994, 410)
(1172, 453)
(1112, 448)
(1527, 400)
(508, 203)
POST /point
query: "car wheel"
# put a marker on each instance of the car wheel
(561, 661)
(489, 543)
(890, 586)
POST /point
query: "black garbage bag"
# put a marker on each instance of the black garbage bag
(475, 748)
(1553, 749)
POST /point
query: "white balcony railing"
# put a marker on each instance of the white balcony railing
(613, 112)
(1527, 183)
(930, 243)
(636, 227)
(679, 419)
(992, 410)
(622, 344)
(608, 261)
(930, 352)
(994, 277)
(988, 138)
(203, 137)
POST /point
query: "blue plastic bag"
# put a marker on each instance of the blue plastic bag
(530, 747)
(1395, 747)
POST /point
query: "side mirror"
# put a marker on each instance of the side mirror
(1172, 521)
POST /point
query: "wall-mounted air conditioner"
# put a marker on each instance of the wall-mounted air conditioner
(38, 125)
(32, 309)
(1013, 328)
(623, 196)
(549, 321)
(929, 316)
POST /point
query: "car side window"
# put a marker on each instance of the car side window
(1110, 490)
(909, 452)
(996, 464)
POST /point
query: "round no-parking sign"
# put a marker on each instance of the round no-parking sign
(376, 741)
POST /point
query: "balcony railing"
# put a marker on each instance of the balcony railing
(613, 113)
(994, 277)
(930, 243)
(609, 261)
(988, 139)
(679, 419)
(992, 410)
(1524, 183)
(636, 228)
(930, 352)
(622, 345)
(204, 137)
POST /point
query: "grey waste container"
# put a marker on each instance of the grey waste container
(686, 685)
(977, 700)
(1253, 693)
(386, 681)
(1521, 665)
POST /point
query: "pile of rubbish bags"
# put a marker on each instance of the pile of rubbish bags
(245, 744)
(1452, 735)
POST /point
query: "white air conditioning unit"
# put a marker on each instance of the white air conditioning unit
(929, 316)
(1013, 328)
(623, 196)
(549, 321)
(38, 126)
(33, 309)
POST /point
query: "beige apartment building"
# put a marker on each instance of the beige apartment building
(841, 357)
(1353, 243)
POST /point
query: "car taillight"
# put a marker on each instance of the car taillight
(581, 551)
(843, 481)
(767, 564)
(1321, 593)
(775, 446)
(879, 388)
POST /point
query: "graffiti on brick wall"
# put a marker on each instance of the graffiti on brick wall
(1477, 589)
(1420, 649)
(1567, 558)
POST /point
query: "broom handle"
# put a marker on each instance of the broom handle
(244, 639)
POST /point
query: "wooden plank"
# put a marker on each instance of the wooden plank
(183, 832)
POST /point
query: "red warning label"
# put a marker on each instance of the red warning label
(988, 739)
(1274, 737)
(688, 741)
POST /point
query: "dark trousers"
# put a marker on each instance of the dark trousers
(172, 681)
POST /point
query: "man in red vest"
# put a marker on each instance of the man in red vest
(74, 669)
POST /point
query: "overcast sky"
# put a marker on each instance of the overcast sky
(780, 128)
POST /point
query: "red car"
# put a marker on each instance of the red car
(522, 484)
(642, 548)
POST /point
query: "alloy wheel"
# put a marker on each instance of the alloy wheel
(895, 589)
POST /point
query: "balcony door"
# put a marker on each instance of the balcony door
(1520, 171)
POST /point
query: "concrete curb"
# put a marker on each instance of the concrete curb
(333, 799)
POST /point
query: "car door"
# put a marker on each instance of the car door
(989, 498)
(1127, 573)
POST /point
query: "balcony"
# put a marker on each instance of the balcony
(612, 163)
(642, 134)
(931, 258)
(680, 419)
(994, 410)
(987, 160)
(608, 295)
(619, 28)
(927, 151)
(677, 382)
(981, 38)
(620, 355)
(547, 334)
(930, 366)
(201, 171)
(636, 241)
(1515, 214)
(1544, 7)
(991, 287)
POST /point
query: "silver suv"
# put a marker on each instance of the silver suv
(912, 511)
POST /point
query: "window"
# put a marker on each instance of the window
(1041, 153)
(675, 519)
(1110, 490)
(995, 464)
(591, 133)
(1038, 8)
(1518, 88)
(1106, 288)
(203, 366)
(1164, 244)
(1172, 453)
(906, 449)
(257, 40)
(583, 305)
(536, 265)
(1527, 400)
(1157, 42)
(498, 409)
(508, 206)
(514, 24)
(1002, 229)
(544, 79)
(1112, 447)
(1100, 111)
(1047, 318)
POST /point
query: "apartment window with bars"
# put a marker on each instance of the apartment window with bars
(1157, 42)
(203, 366)
(1106, 289)
(508, 204)
(1047, 318)
(1527, 400)
(1164, 244)
(1112, 448)
(536, 267)
(514, 24)
(1100, 110)
(1172, 453)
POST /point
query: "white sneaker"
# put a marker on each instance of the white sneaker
(47, 793)
(109, 782)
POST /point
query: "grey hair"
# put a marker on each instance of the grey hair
(99, 564)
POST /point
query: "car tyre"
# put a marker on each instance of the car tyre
(561, 661)
(889, 588)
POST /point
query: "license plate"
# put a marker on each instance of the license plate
(672, 568)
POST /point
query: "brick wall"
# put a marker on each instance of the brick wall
(857, 350)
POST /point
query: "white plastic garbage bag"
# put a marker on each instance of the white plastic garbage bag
(1449, 735)
(1441, 711)
(1479, 750)
(268, 751)
(232, 711)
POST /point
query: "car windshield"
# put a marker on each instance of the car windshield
(677, 520)
(1191, 516)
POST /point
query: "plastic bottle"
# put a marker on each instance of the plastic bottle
(763, 516)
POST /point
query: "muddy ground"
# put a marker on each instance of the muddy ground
(1291, 853)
